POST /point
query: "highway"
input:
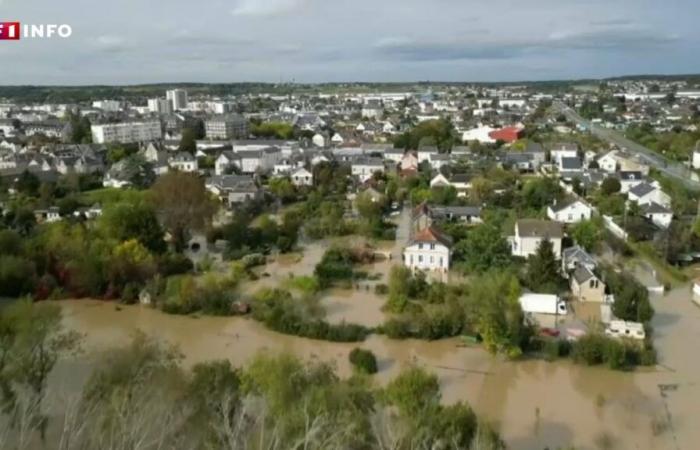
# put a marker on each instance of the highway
(670, 168)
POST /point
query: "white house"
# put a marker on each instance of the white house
(225, 160)
(480, 133)
(184, 162)
(608, 162)
(529, 233)
(645, 193)
(302, 177)
(318, 140)
(364, 168)
(658, 214)
(264, 160)
(439, 180)
(337, 139)
(394, 154)
(425, 153)
(569, 212)
(409, 161)
(629, 179)
(428, 249)
(560, 151)
(439, 160)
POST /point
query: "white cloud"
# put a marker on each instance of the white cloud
(265, 8)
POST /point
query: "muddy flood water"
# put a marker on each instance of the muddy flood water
(534, 404)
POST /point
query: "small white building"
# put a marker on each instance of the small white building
(645, 193)
(569, 212)
(621, 328)
(529, 234)
(480, 134)
(302, 177)
(364, 168)
(565, 150)
(184, 162)
(658, 215)
(608, 162)
(428, 249)
(225, 160)
(696, 156)
(319, 140)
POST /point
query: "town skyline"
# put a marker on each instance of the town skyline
(311, 42)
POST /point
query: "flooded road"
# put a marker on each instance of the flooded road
(534, 404)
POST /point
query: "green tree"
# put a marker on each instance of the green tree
(543, 271)
(413, 392)
(134, 220)
(183, 204)
(188, 142)
(484, 249)
(587, 233)
(610, 185)
(36, 340)
(283, 189)
(541, 192)
(27, 183)
(493, 310)
(631, 297)
(364, 361)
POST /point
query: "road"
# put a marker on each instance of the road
(670, 168)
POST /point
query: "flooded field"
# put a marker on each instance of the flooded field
(533, 403)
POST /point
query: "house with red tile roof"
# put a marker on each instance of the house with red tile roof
(428, 249)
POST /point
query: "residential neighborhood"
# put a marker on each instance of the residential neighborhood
(468, 216)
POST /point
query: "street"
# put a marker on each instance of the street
(670, 168)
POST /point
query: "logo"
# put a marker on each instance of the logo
(9, 31)
(13, 31)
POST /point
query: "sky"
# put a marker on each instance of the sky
(149, 41)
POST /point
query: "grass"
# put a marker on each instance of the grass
(106, 196)
(669, 274)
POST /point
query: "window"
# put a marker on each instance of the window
(432, 246)
(420, 258)
(420, 246)
(431, 260)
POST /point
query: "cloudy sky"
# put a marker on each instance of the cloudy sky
(143, 41)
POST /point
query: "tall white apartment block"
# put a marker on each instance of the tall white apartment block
(126, 133)
(160, 105)
(178, 98)
(108, 105)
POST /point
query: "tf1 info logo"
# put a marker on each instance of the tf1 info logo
(13, 31)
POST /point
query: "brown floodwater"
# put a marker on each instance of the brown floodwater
(534, 404)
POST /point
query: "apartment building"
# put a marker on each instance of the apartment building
(228, 126)
(126, 133)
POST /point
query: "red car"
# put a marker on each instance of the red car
(551, 332)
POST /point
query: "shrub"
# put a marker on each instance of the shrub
(363, 361)
(253, 260)
(130, 293)
(174, 264)
(282, 313)
(590, 349)
(16, 276)
(304, 284)
(381, 289)
(336, 265)
(397, 328)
